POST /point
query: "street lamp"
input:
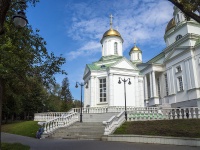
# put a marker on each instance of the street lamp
(129, 82)
(81, 84)
(19, 19)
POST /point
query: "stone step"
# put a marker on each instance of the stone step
(85, 130)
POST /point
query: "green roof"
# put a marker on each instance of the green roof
(156, 58)
(101, 64)
(197, 42)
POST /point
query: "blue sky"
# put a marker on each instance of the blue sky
(74, 28)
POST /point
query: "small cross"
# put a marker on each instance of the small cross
(111, 17)
(134, 41)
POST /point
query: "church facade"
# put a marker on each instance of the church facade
(170, 79)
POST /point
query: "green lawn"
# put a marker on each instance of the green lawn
(14, 146)
(25, 128)
(176, 128)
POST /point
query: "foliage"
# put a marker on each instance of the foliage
(189, 7)
(26, 69)
(25, 128)
(14, 146)
(66, 96)
(176, 128)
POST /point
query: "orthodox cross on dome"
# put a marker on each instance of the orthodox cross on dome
(134, 42)
(111, 18)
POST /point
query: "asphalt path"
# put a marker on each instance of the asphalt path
(65, 144)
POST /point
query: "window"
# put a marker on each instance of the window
(178, 69)
(102, 90)
(138, 56)
(115, 48)
(166, 85)
(180, 83)
(178, 37)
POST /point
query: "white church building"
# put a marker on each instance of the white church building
(171, 79)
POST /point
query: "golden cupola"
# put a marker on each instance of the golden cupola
(170, 25)
(135, 54)
(112, 42)
(134, 49)
(111, 31)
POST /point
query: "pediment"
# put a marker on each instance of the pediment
(124, 64)
(86, 71)
(174, 53)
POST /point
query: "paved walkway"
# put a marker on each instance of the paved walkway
(63, 144)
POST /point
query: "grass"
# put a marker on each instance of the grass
(175, 128)
(25, 128)
(14, 146)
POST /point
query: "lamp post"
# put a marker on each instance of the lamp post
(129, 82)
(81, 84)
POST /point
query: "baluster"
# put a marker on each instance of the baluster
(194, 113)
(198, 112)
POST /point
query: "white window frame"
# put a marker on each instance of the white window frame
(180, 84)
(102, 90)
(115, 48)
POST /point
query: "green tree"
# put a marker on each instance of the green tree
(66, 97)
(189, 7)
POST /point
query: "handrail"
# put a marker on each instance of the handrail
(113, 123)
(63, 121)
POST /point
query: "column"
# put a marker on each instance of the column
(136, 91)
(154, 84)
(111, 90)
(92, 89)
(145, 88)
(151, 89)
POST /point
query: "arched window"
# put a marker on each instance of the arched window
(178, 37)
(115, 48)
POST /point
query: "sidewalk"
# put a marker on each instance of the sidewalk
(65, 144)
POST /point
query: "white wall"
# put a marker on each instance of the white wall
(108, 45)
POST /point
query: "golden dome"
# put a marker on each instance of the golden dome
(170, 25)
(134, 49)
(111, 32)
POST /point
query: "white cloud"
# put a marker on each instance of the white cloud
(143, 20)
(88, 49)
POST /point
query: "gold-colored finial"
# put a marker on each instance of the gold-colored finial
(111, 18)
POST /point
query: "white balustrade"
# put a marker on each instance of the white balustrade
(48, 116)
(63, 121)
(113, 123)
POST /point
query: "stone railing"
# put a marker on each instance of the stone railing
(149, 113)
(63, 121)
(48, 116)
(113, 123)
(105, 109)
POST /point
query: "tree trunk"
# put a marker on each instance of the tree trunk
(4, 6)
(188, 13)
(1, 101)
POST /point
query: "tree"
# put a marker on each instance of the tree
(26, 67)
(189, 7)
(66, 96)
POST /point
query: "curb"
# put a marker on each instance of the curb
(153, 139)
